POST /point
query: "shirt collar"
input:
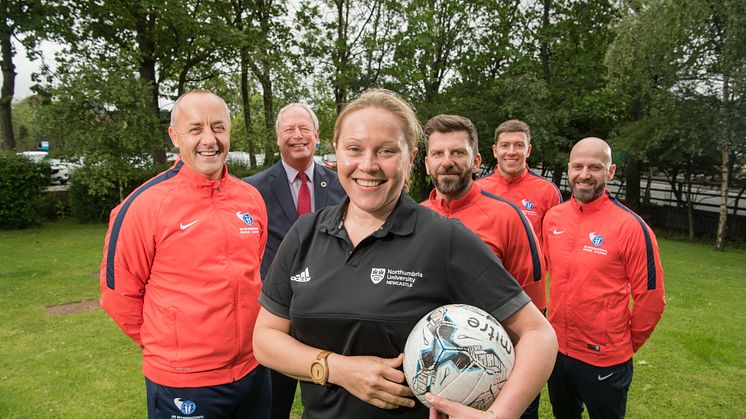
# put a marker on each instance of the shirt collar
(400, 222)
(292, 173)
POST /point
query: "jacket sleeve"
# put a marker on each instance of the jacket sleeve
(645, 275)
(523, 257)
(126, 270)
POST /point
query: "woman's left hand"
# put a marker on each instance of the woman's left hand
(445, 409)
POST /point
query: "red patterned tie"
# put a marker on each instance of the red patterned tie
(304, 195)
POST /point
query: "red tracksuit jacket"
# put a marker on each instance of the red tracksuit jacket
(599, 254)
(533, 194)
(502, 226)
(180, 275)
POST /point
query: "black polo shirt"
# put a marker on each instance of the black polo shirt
(364, 300)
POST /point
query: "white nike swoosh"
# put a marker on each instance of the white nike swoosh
(604, 377)
(557, 232)
(186, 226)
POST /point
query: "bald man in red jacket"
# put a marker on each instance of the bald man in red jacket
(600, 254)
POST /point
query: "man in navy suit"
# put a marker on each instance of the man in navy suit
(282, 187)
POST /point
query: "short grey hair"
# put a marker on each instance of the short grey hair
(176, 108)
(300, 105)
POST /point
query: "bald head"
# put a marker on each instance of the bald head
(593, 146)
(176, 109)
(589, 169)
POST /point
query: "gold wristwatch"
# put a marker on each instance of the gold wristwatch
(320, 369)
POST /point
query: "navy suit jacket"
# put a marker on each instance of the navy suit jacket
(272, 183)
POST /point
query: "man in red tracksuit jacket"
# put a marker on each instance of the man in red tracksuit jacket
(512, 179)
(452, 158)
(180, 274)
(599, 255)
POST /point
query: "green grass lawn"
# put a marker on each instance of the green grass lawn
(82, 366)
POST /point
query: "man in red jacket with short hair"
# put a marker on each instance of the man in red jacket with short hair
(600, 254)
(514, 181)
(180, 274)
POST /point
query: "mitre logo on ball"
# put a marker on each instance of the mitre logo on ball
(459, 352)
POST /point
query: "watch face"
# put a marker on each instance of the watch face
(317, 371)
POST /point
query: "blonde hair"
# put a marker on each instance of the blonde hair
(389, 101)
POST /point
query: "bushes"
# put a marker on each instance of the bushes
(241, 169)
(22, 183)
(95, 190)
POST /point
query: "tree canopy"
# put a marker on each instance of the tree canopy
(663, 80)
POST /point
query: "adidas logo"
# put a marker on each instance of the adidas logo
(301, 277)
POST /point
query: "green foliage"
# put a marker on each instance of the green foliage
(53, 205)
(241, 169)
(108, 126)
(90, 202)
(23, 182)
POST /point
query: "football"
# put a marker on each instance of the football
(459, 352)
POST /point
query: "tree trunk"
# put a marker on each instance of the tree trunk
(544, 44)
(340, 57)
(632, 175)
(146, 44)
(724, 183)
(246, 102)
(648, 185)
(269, 119)
(689, 205)
(8, 88)
(557, 171)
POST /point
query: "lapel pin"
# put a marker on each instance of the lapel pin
(323, 184)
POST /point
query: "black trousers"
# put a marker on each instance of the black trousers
(249, 397)
(283, 395)
(603, 390)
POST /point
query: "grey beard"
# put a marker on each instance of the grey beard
(586, 196)
(452, 188)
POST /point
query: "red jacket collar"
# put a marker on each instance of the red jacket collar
(456, 204)
(198, 181)
(592, 206)
(511, 180)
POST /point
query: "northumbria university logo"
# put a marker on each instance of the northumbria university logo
(377, 274)
(301, 277)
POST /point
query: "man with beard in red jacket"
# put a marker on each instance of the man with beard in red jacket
(599, 255)
(452, 159)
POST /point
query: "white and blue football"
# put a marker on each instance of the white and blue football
(459, 352)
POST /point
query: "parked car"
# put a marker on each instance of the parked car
(330, 161)
(61, 169)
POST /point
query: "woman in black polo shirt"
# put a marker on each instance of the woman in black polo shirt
(349, 282)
